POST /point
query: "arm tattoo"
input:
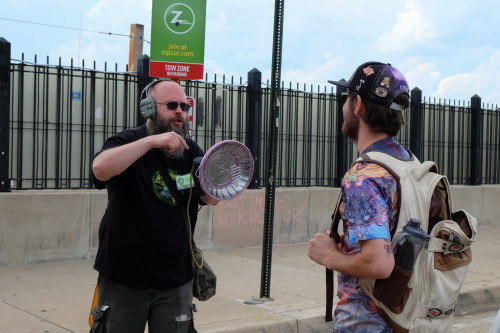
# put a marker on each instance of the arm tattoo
(387, 248)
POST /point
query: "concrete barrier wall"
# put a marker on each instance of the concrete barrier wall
(38, 226)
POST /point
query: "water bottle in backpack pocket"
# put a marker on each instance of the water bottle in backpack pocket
(393, 291)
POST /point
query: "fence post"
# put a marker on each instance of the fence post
(476, 157)
(416, 122)
(254, 122)
(144, 80)
(341, 165)
(4, 114)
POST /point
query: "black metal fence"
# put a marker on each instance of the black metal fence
(58, 117)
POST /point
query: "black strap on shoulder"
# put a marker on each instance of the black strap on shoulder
(330, 288)
(334, 227)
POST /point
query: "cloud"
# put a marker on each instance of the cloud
(67, 52)
(217, 71)
(118, 14)
(412, 28)
(317, 74)
(88, 53)
(113, 18)
(234, 41)
(483, 81)
(422, 75)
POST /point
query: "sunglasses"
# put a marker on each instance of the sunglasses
(343, 97)
(173, 106)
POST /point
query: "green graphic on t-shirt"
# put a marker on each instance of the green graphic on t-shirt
(161, 188)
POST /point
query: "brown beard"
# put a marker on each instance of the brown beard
(159, 128)
(350, 127)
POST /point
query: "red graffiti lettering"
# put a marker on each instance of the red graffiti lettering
(296, 215)
(256, 216)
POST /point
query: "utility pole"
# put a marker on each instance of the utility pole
(136, 44)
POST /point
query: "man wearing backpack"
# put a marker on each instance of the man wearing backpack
(377, 95)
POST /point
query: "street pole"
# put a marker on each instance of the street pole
(5, 53)
(274, 108)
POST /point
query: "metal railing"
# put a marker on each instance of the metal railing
(59, 117)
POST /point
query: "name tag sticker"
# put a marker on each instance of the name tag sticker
(184, 181)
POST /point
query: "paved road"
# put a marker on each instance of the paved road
(476, 323)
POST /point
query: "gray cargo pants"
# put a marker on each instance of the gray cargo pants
(121, 309)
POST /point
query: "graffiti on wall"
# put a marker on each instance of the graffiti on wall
(241, 220)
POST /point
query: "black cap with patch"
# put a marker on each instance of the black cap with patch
(377, 82)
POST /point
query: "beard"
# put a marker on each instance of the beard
(350, 127)
(159, 128)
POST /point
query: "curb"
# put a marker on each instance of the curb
(312, 320)
(478, 300)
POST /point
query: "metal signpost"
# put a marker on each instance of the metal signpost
(5, 53)
(271, 151)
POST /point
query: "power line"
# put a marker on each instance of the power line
(69, 28)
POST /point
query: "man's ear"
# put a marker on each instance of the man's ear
(359, 106)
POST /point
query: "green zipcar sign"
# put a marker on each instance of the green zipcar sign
(178, 39)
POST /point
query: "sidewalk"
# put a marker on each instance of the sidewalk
(55, 297)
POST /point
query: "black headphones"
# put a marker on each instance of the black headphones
(147, 105)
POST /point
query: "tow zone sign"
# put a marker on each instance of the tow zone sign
(178, 39)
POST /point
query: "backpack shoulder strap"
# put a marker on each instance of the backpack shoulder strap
(334, 233)
(334, 226)
(398, 167)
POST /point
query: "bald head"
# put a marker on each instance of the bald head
(166, 90)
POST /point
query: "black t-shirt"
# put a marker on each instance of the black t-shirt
(143, 239)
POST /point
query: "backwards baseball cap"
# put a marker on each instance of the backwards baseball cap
(377, 82)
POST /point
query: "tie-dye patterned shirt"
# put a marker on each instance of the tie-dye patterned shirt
(368, 211)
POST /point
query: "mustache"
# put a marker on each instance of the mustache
(177, 118)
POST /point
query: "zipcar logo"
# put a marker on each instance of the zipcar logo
(179, 18)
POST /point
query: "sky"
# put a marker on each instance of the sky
(449, 49)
